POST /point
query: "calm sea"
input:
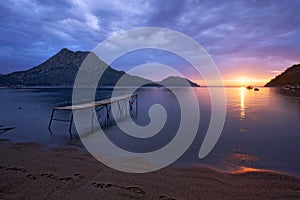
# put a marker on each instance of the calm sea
(262, 128)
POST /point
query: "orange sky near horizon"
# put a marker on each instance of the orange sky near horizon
(242, 79)
(244, 74)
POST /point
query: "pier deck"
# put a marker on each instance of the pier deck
(98, 106)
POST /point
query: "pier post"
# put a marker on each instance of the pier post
(50, 122)
(70, 127)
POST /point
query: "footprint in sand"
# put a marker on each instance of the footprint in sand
(30, 176)
(163, 197)
(66, 179)
(137, 190)
(51, 176)
(44, 175)
(134, 189)
(80, 176)
(102, 185)
(23, 170)
(16, 169)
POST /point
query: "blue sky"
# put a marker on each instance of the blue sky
(256, 39)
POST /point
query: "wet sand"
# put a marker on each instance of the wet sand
(29, 171)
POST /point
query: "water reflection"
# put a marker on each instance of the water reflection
(242, 104)
(242, 107)
(237, 160)
(243, 170)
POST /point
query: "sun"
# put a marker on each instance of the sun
(242, 80)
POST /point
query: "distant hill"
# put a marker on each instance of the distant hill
(291, 76)
(173, 81)
(61, 70)
(178, 81)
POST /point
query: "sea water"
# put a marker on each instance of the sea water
(261, 130)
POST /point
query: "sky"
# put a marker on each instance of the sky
(250, 41)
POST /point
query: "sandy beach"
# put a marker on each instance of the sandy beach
(30, 171)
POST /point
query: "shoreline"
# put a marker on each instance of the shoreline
(31, 171)
(83, 150)
(237, 171)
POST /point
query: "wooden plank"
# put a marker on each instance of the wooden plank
(95, 104)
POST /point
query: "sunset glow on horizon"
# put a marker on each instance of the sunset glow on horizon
(238, 80)
(245, 81)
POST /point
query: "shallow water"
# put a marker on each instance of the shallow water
(261, 128)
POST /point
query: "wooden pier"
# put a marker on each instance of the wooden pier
(103, 105)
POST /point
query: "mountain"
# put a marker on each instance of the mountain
(291, 76)
(178, 81)
(61, 70)
(5, 80)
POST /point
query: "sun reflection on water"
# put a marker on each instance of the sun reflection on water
(242, 104)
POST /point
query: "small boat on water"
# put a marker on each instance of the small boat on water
(286, 87)
(290, 87)
(249, 87)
